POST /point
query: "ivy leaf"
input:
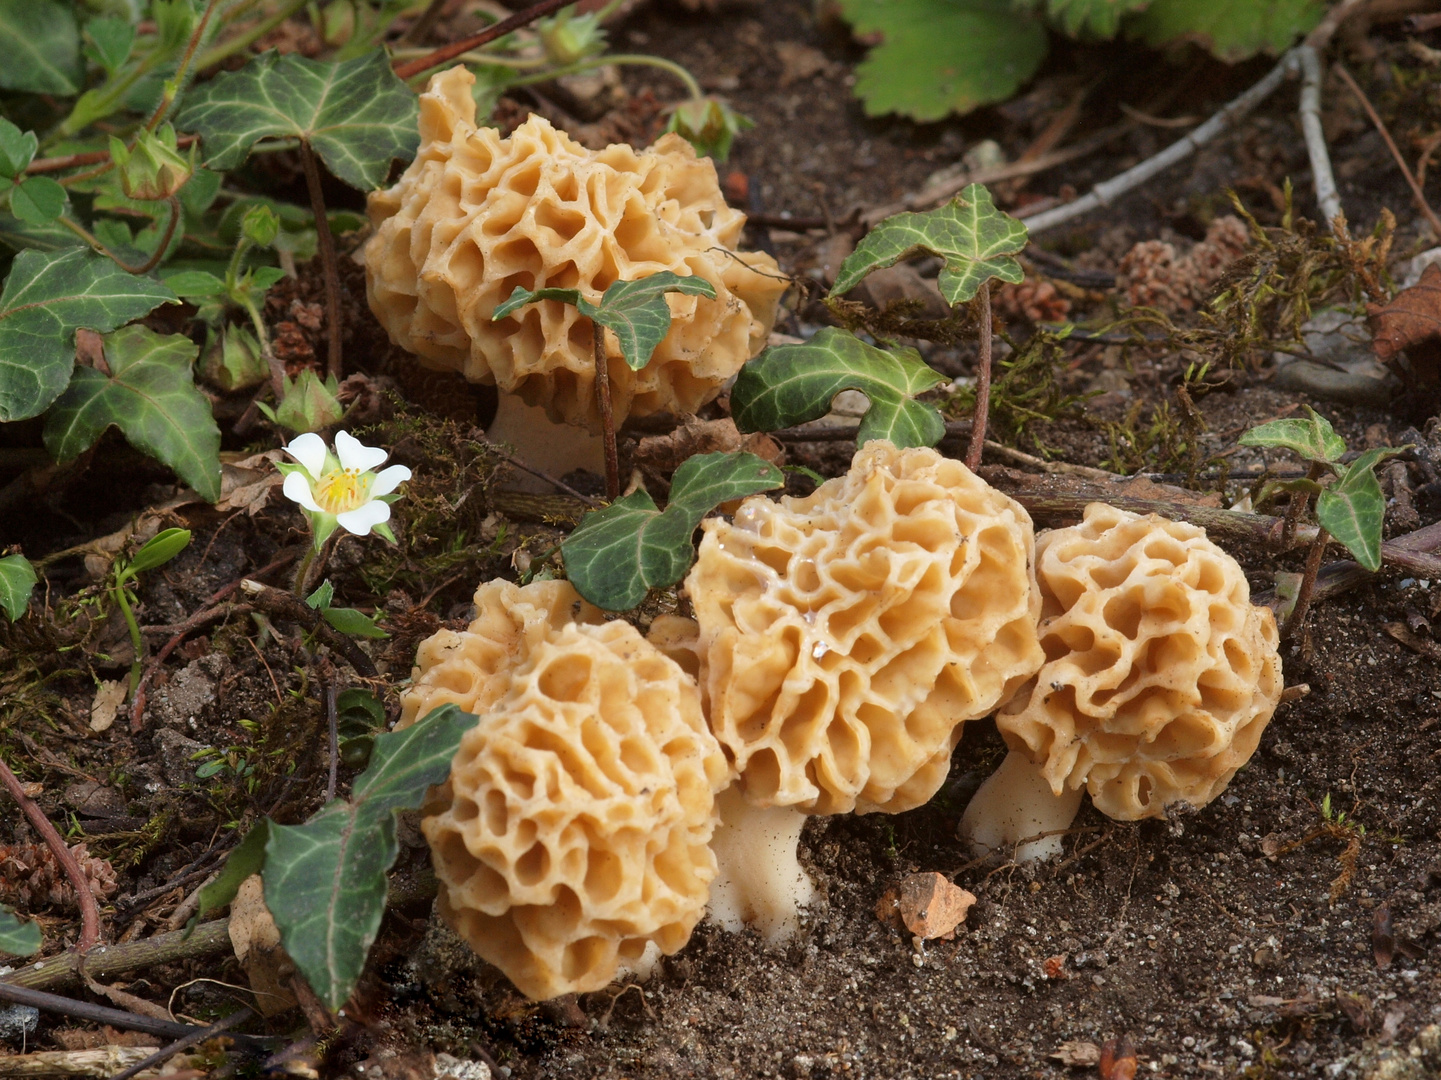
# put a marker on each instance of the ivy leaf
(1314, 438)
(248, 857)
(41, 46)
(977, 242)
(791, 384)
(356, 115)
(635, 311)
(620, 552)
(18, 938)
(150, 395)
(325, 880)
(943, 56)
(1231, 30)
(1353, 509)
(47, 297)
(17, 580)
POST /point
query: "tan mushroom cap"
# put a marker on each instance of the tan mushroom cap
(475, 215)
(1160, 673)
(845, 637)
(580, 816)
(471, 667)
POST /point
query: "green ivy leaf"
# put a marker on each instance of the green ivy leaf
(356, 115)
(47, 297)
(1230, 29)
(18, 938)
(791, 384)
(943, 56)
(977, 242)
(17, 581)
(41, 46)
(1353, 509)
(37, 200)
(150, 395)
(247, 858)
(620, 552)
(635, 311)
(325, 880)
(1091, 18)
(1313, 438)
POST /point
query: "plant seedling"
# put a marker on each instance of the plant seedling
(17, 581)
(157, 551)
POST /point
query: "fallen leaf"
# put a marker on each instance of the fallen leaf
(109, 696)
(1415, 642)
(1357, 1008)
(246, 485)
(1383, 937)
(928, 905)
(658, 456)
(256, 940)
(1118, 1060)
(1413, 317)
(1077, 1054)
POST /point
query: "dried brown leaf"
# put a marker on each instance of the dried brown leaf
(256, 940)
(1383, 937)
(1412, 318)
(1077, 1054)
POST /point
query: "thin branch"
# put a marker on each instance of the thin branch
(983, 379)
(207, 939)
(1327, 198)
(92, 157)
(195, 1038)
(511, 459)
(1308, 584)
(89, 913)
(847, 432)
(285, 605)
(489, 34)
(327, 259)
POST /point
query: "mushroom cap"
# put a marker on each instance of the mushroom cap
(475, 215)
(845, 637)
(580, 814)
(471, 668)
(1160, 673)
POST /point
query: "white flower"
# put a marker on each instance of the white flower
(342, 488)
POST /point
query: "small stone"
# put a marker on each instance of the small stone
(18, 1022)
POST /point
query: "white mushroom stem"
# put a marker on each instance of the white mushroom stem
(544, 445)
(759, 880)
(1014, 803)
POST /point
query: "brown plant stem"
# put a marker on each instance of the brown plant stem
(1308, 583)
(847, 432)
(1298, 502)
(490, 33)
(607, 418)
(91, 157)
(1416, 192)
(207, 939)
(89, 913)
(328, 266)
(182, 73)
(983, 379)
(99, 1014)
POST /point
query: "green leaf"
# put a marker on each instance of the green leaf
(18, 938)
(355, 623)
(110, 41)
(47, 297)
(791, 384)
(17, 149)
(620, 552)
(1353, 509)
(247, 858)
(977, 242)
(325, 880)
(942, 56)
(150, 395)
(160, 549)
(1314, 438)
(17, 581)
(1230, 29)
(37, 200)
(41, 46)
(321, 597)
(357, 115)
(1091, 18)
(197, 283)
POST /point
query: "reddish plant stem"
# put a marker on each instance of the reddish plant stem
(489, 34)
(607, 418)
(983, 379)
(326, 244)
(1299, 501)
(89, 913)
(1308, 584)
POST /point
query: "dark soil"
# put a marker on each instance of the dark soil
(1246, 938)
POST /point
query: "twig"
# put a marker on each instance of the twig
(983, 379)
(489, 34)
(1416, 193)
(1020, 457)
(207, 939)
(511, 459)
(607, 417)
(195, 1038)
(98, 1014)
(1308, 583)
(847, 432)
(1327, 198)
(89, 913)
(285, 605)
(327, 259)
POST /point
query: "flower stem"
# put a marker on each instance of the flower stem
(122, 600)
(155, 257)
(635, 59)
(983, 379)
(607, 418)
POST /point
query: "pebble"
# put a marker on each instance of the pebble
(17, 1022)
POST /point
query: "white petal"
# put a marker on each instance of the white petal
(362, 519)
(354, 455)
(297, 489)
(309, 450)
(387, 480)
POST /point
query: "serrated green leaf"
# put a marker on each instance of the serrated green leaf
(977, 242)
(37, 200)
(110, 41)
(160, 549)
(41, 46)
(18, 938)
(1353, 510)
(1313, 438)
(1091, 18)
(356, 115)
(325, 880)
(355, 623)
(943, 56)
(17, 149)
(17, 581)
(622, 551)
(791, 384)
(150, 395)
(47, 297)
(1232, 30)
(247, 858)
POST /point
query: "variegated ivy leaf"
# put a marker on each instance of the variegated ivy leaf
(41, 44)
(1313, 438)
(977, 242)
(1354, 509)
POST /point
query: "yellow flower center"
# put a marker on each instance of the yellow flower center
(342, 490)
